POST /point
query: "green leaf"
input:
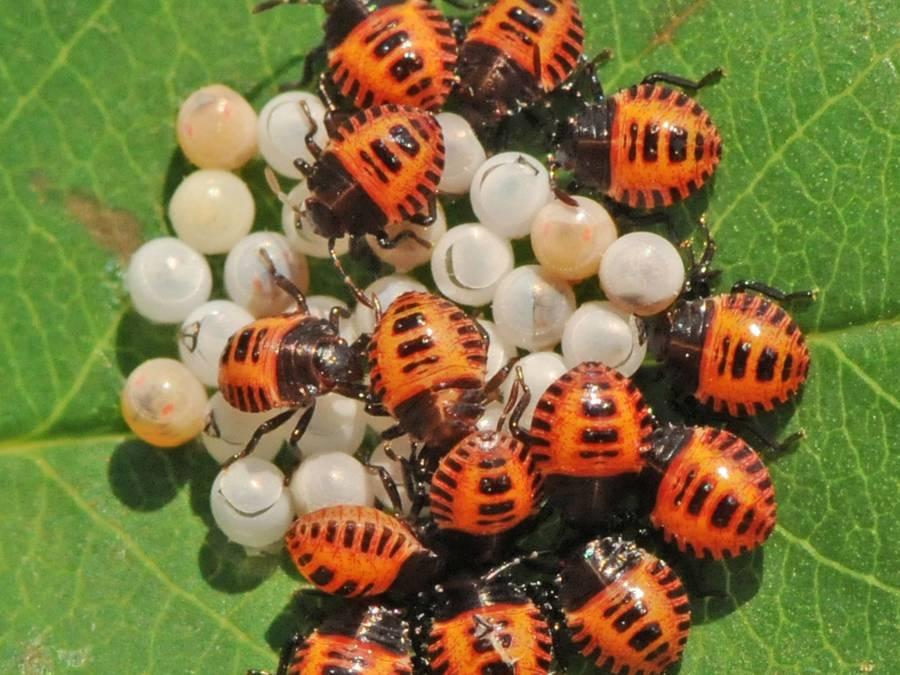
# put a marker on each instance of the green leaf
(109, 559)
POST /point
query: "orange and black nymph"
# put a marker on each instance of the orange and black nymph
(487, 626)
(515, 52)
(359, 639)
(715, 497)
(625, 609)
(387, 51)
(359, 551)
(287, 361)
(646, 146)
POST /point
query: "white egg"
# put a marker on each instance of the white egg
(167, 280)
(464, 153)
(600, 331)
(468, 262)
(203, 336)
(250, 503)
(283, 126)
(570, 240)
(247, 280)
(642, 273)
(211, 210)
(540, 370)
(337, 425)
(531, 307)
(216, 128)
(500, 351)
(228, 430)
(330, 479)
(507, 192)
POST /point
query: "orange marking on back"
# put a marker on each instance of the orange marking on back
(321, 651)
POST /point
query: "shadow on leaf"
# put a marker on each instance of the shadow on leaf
(139, 339)
(719, 587)
(226, 566)
(146, 478)
(306, 609)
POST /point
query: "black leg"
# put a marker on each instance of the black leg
(264, 428)
(335, 316)
(459, 29)
(318, 54)
(554, 165)
(283, 282)
(492, 385)
(309, 139)
(390, 486)
(519, 398)
(377, 409)
(386, 242)
(711, 77)
(271, 4)
(303, 167)
(393, 432)
(771, 291)
(372, 303)
(326, 95)
(303, 422)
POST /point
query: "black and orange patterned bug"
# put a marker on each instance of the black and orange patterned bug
(382, 165)
(646, 146)
(589, 429)
(625, 609)
(715, 498)
(387, 51)
(357, 551)
(515, 52)
(359, 639)
(488, 483)
(286, 361)
(428, 363)
(489, 625)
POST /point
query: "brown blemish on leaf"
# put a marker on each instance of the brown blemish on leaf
(116, 230)
(667, 32)
(35, 659)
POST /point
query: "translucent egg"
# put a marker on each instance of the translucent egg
(320, 306)
(387, 289)
(248, 282)
(282, 128)
(203, 335)
(499, 351)
(216, 128)
(570, 241)
(227, 431)
(600, 331)
(531, 307)
(409, 253)
(167, 280)
(642, 273)
(490, 417)
(211, 210)
(163, 403)
(468, 262)
(464, 154)
(337, 425)
(540, 370)
(251, 504)
(507, 192)
(330, 479)
(401, 447)
(304, 238)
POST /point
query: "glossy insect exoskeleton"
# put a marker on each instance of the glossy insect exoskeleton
(715, 498)
(359, 551)
(645, 146)
(737, 352)
(286, 361)
(428, 363)
(359, 639)
(382, 165)
(488, 484)
(387, 51)
(589, 427)
(487, 626)
(515, 52)
(625, 609)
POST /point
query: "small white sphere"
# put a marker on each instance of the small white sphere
(642, 273)
(320, 306)
(211, 210)
(531, 307)
(204, 333)
(304, 239)
(387, 289)
(248, 282)
(330, 479)
(468, 262)
(507, 192)
(250, 503)
(499, 350)
(401, 447)
(163, 403)
(409, 253)
(337, 425)
(216, 128)
(167, 280)
(600, 331)
(282, 128)
(540, 370)
(570, 240)
(228, 430)
(464, 153)
(490, 417)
